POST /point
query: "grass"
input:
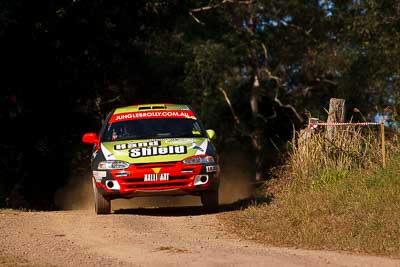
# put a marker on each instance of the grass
(8, 211)
(313, 155)
(335, 201)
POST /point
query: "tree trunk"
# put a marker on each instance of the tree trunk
(256, 136)
(336, 114)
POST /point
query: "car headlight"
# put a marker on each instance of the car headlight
(198, 160)
(113, 165)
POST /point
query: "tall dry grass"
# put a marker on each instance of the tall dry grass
(314, 156)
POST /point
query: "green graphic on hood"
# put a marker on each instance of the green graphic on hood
(154, 150)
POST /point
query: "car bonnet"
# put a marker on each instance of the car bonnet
(155, 150)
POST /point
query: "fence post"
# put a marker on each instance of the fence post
(336, 114)
(383, 144)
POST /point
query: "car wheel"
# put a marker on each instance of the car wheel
(101, 204)
(209, 199)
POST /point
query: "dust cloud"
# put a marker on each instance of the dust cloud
(236, 176)
(77, 194)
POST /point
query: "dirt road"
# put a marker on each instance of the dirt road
(146, 237)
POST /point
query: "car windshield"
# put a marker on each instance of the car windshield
(153, 128)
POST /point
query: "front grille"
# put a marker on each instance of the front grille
(178, 176)
(141, 179)
(155, 165)
(132, 180)
(156, 185)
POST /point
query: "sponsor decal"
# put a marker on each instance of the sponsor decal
(152, 177)
(136, 145)
(194, 146)
(179, 141)
(122, 174)
(150, 148)
(107, 154)
(187, 114)
(154, 151)
(202, 148)
(156, 170)
(99, 175)
(211, 168)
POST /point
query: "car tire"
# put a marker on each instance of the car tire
(209, 199)
(101, 204)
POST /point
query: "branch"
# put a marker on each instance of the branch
(265, 52)
(273, 116)
(266, 70)
(266, 119)
(296, 27)
(110, 101)
(327, 81)
(228, 101)
(206, 8)
(270, 76)
(276, 99)
(307, 89)
(195, 18)
(278, 82)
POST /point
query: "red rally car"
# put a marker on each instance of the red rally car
(153, 150)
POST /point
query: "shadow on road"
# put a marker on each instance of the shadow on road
(194, 210)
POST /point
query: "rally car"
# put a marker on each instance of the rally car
(153, 150)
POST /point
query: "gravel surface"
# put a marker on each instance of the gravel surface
(146, 237)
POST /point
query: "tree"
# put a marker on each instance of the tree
(252, 68)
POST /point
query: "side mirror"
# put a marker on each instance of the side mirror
(211, 134)
(90, 138)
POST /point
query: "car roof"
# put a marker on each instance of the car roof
(147, 107)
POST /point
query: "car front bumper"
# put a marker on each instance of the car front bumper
(158, 179)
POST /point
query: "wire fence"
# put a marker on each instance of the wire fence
(313, 123)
